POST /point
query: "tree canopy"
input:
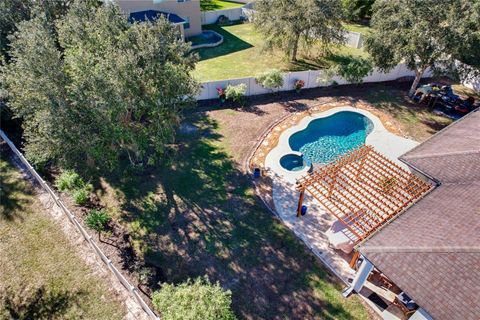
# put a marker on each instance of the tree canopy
(14, 11)
(95, 88)
(357, 10)
(423, 34)
(194, 299)
(286, 22)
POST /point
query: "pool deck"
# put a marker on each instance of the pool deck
(311, 228)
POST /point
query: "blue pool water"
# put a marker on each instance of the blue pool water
(292, 162)
(327, 138)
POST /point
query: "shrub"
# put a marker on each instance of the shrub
(298, 85)
(326, 76)
(223, 20)
(272, 79)
(221, 94)
(68, 181)
(80, 196)
(355, 70)
(236, 93)
(97, 220)
(192, 300)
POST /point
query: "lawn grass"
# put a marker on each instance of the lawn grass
(242, 55)
(198, 214)
(213, 5)
(41, 275)
(356, 27)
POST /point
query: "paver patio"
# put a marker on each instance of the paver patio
(312, 228)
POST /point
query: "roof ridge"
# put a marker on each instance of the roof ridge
(456, 183)
(412, 249)
(432, 155)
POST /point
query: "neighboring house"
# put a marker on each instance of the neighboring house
(183, 13)
(432, 250)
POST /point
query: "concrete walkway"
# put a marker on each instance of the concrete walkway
(311, 228)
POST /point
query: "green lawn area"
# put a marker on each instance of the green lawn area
(356, 27)
(241, 55)
(41, 275)
(212, 5)
(198, 214)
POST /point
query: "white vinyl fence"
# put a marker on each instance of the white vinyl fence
(234, 14)
(209, 89)
(473, 84)
(133, 291)
(211, 17)
(354, 39)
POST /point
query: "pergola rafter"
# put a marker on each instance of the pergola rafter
(363, 189)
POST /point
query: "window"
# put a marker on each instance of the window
(186, 25)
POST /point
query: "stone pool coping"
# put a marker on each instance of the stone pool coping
(380, 138)
(269, 139)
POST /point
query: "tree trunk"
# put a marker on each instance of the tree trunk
(295, 48)
(418, 77)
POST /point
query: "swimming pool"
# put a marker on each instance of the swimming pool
(325, 139)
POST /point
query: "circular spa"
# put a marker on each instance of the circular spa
(293, 162)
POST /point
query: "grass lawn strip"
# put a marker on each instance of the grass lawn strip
(41, 271)
(356, 27)
(213, 5)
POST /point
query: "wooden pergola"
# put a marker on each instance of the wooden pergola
(363, 189)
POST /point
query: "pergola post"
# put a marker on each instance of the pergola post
(300, 202)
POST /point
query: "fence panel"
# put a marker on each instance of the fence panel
(472, 83)
(211, 17)
(313, 76)
(79, 227)
(293, 77)
(353, 39)
(209, 89)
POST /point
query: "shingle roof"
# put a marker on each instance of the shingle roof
(152, 15)
(432, 250)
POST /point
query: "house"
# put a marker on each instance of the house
(185, 14)
(432, 250)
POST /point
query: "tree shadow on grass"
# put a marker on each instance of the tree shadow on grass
(199, 215)
(14, 193)
(231, 44)
(39, 304)
(209, 5)
(303, 64)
